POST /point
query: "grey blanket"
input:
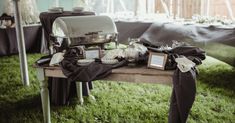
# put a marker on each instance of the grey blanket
(165, 32)
(217, 41)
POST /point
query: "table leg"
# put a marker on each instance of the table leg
(79, 92)
(44, 95)
(88, 89)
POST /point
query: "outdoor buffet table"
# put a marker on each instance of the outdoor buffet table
(125, 74)
(77, 67)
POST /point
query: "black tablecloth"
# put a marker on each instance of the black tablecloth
(33, 40)
(130, 30)
(218, 41)
(165, 32)
(60, 89)
(4, 42)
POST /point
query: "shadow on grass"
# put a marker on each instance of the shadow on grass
(224, 79)
(27, 109)
(218, 75)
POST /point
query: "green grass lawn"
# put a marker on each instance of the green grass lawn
(119, 101)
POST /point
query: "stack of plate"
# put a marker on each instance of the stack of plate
(78, 9)
(56, 10)
(109, 61)
(84, 62)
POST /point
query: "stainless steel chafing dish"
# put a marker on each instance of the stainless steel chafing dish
(82, 31)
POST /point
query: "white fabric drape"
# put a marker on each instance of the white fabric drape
(28, 9)
(121, 9)
(167, 8)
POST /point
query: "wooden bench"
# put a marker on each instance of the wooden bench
(125, 74)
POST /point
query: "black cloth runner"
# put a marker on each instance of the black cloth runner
(74, 72)
(183, 95)
(184, 84)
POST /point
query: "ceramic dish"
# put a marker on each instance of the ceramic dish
(54, 11)
(109, 61)
(84, 62)
(78, 9)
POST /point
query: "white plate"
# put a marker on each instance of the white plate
(85, 61)
(78, 9)
(54, 11)
(109, 61)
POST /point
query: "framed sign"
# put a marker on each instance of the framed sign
(92, 53)
(157, 60)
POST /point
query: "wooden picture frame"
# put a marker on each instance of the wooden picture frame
(92, 53)
(157, 60)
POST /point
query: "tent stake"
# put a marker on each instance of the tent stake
(21, 45)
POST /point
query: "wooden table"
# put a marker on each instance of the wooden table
(125, 74)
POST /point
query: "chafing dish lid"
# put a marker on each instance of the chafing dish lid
(79, 26)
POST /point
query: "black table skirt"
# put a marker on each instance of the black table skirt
(61, 90)
(33, 40)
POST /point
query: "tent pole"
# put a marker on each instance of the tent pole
(21, 45)
(208, 4)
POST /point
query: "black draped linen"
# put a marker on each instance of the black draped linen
(184, 84)
(183, 95)
(33, 40)
(87, 73)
